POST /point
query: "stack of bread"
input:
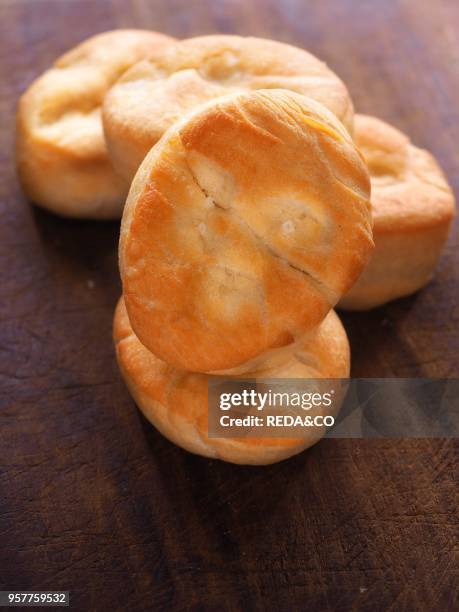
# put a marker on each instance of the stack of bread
(248, 216)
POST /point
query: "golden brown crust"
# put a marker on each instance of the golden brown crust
(244, 226)
(154, 94)
(175, 402)
(61, 154)
(413, 207)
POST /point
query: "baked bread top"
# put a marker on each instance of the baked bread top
(244, 225)
(61, 153)
(156, 92)
(408, 188)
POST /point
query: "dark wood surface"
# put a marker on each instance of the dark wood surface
(92, 499)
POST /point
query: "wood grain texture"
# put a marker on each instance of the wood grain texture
(92, 499)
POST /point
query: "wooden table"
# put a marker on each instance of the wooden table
(92, 499)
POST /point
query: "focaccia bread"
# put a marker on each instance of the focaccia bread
(244, 226)
(413, 207)
(60, 148)
(175, 401)
(156, 92)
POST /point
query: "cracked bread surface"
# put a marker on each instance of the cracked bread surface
(243, 227)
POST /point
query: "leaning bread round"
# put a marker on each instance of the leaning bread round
(413, 206)
(175, 401)
(244, 225)
(155, 93)
(60, 149)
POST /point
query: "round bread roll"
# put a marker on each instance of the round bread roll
(413, 206)
(175, 401)
(157, 92)
(61, 154)
(244, 225)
